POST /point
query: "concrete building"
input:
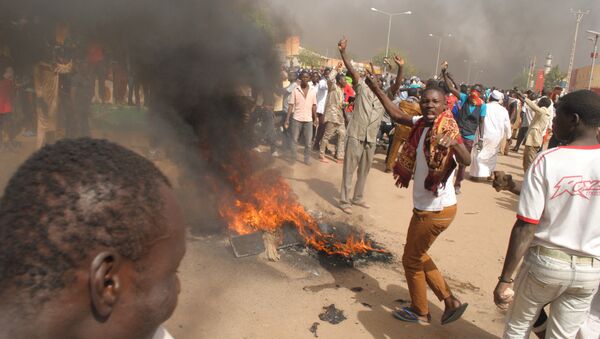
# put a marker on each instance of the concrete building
(581, 78)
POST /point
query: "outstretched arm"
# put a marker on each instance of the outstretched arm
(448, 80)
(396, 113)
(342, 47)
(396, 86)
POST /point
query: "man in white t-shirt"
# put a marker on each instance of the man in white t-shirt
(428, 155)
(322, 90)
(557, 229)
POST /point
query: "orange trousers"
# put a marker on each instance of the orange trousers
(420, 270)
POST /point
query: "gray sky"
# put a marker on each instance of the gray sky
(500, 34)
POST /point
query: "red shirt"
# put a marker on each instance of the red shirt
(6, 96)
(348, 92)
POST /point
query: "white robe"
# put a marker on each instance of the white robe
(496, 127)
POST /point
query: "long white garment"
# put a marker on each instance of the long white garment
(496, 127)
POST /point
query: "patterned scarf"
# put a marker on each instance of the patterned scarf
(440, 160)
(475, 98)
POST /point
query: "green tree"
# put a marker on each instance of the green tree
(554, 77)
(409, 69)
(520, 81)
(308, 58)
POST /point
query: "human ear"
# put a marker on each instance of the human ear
(105, 288)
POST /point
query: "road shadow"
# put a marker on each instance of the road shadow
(326, 190)
(378, 303)
(507, 200)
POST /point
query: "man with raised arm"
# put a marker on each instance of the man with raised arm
(429, 156)
(470, 118)
(361, 137)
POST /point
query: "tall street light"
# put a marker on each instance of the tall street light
(579, 15)
(440, 37)
(390, 15)
(594, 55)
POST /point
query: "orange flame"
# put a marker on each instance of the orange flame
(263, 201)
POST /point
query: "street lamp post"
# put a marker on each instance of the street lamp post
(579, 15)
(390, 15)
(596, 34)
(440, 37)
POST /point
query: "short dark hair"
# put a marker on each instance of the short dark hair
(68, 198)
(583, 102)
(435, 89)
(544, 102)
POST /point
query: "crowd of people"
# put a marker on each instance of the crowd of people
(75, 194)
(437, 129)
(50, 82)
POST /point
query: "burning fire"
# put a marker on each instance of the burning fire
(262, 201)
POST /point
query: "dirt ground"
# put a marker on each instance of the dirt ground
(225, 297)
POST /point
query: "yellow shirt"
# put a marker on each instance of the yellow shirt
(537, 127)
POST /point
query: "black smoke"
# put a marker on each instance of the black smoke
(195, 56)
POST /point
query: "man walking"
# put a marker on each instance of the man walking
(334, 117)
(556, 230)
(497, 129)
(302, 109)
(470, 119)
(429, 157)
(362, 137)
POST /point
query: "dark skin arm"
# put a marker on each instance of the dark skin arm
(449, 82)
(342, 48)
(396, 86)
(396, 113)
(461, 153)
(520, 238)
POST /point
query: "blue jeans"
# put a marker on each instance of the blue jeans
(307, 132)
(567, 286)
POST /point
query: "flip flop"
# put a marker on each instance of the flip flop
(454, 316)
(361, 204)
(347, 210)
(406, 315)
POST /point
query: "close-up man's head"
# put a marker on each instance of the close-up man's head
(304, 78)
(341, 80)
(91, 237)
(576, 112)
(433, 102)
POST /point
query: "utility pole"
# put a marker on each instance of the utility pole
(531, 77)
(594, 55)
(579, 14)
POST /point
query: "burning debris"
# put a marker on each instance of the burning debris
(332, 315)
(263, 202)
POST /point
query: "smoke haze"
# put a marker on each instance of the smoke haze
(501, 35)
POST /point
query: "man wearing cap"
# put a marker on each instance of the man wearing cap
(496, 129)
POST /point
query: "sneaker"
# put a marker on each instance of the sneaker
(275, 154)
